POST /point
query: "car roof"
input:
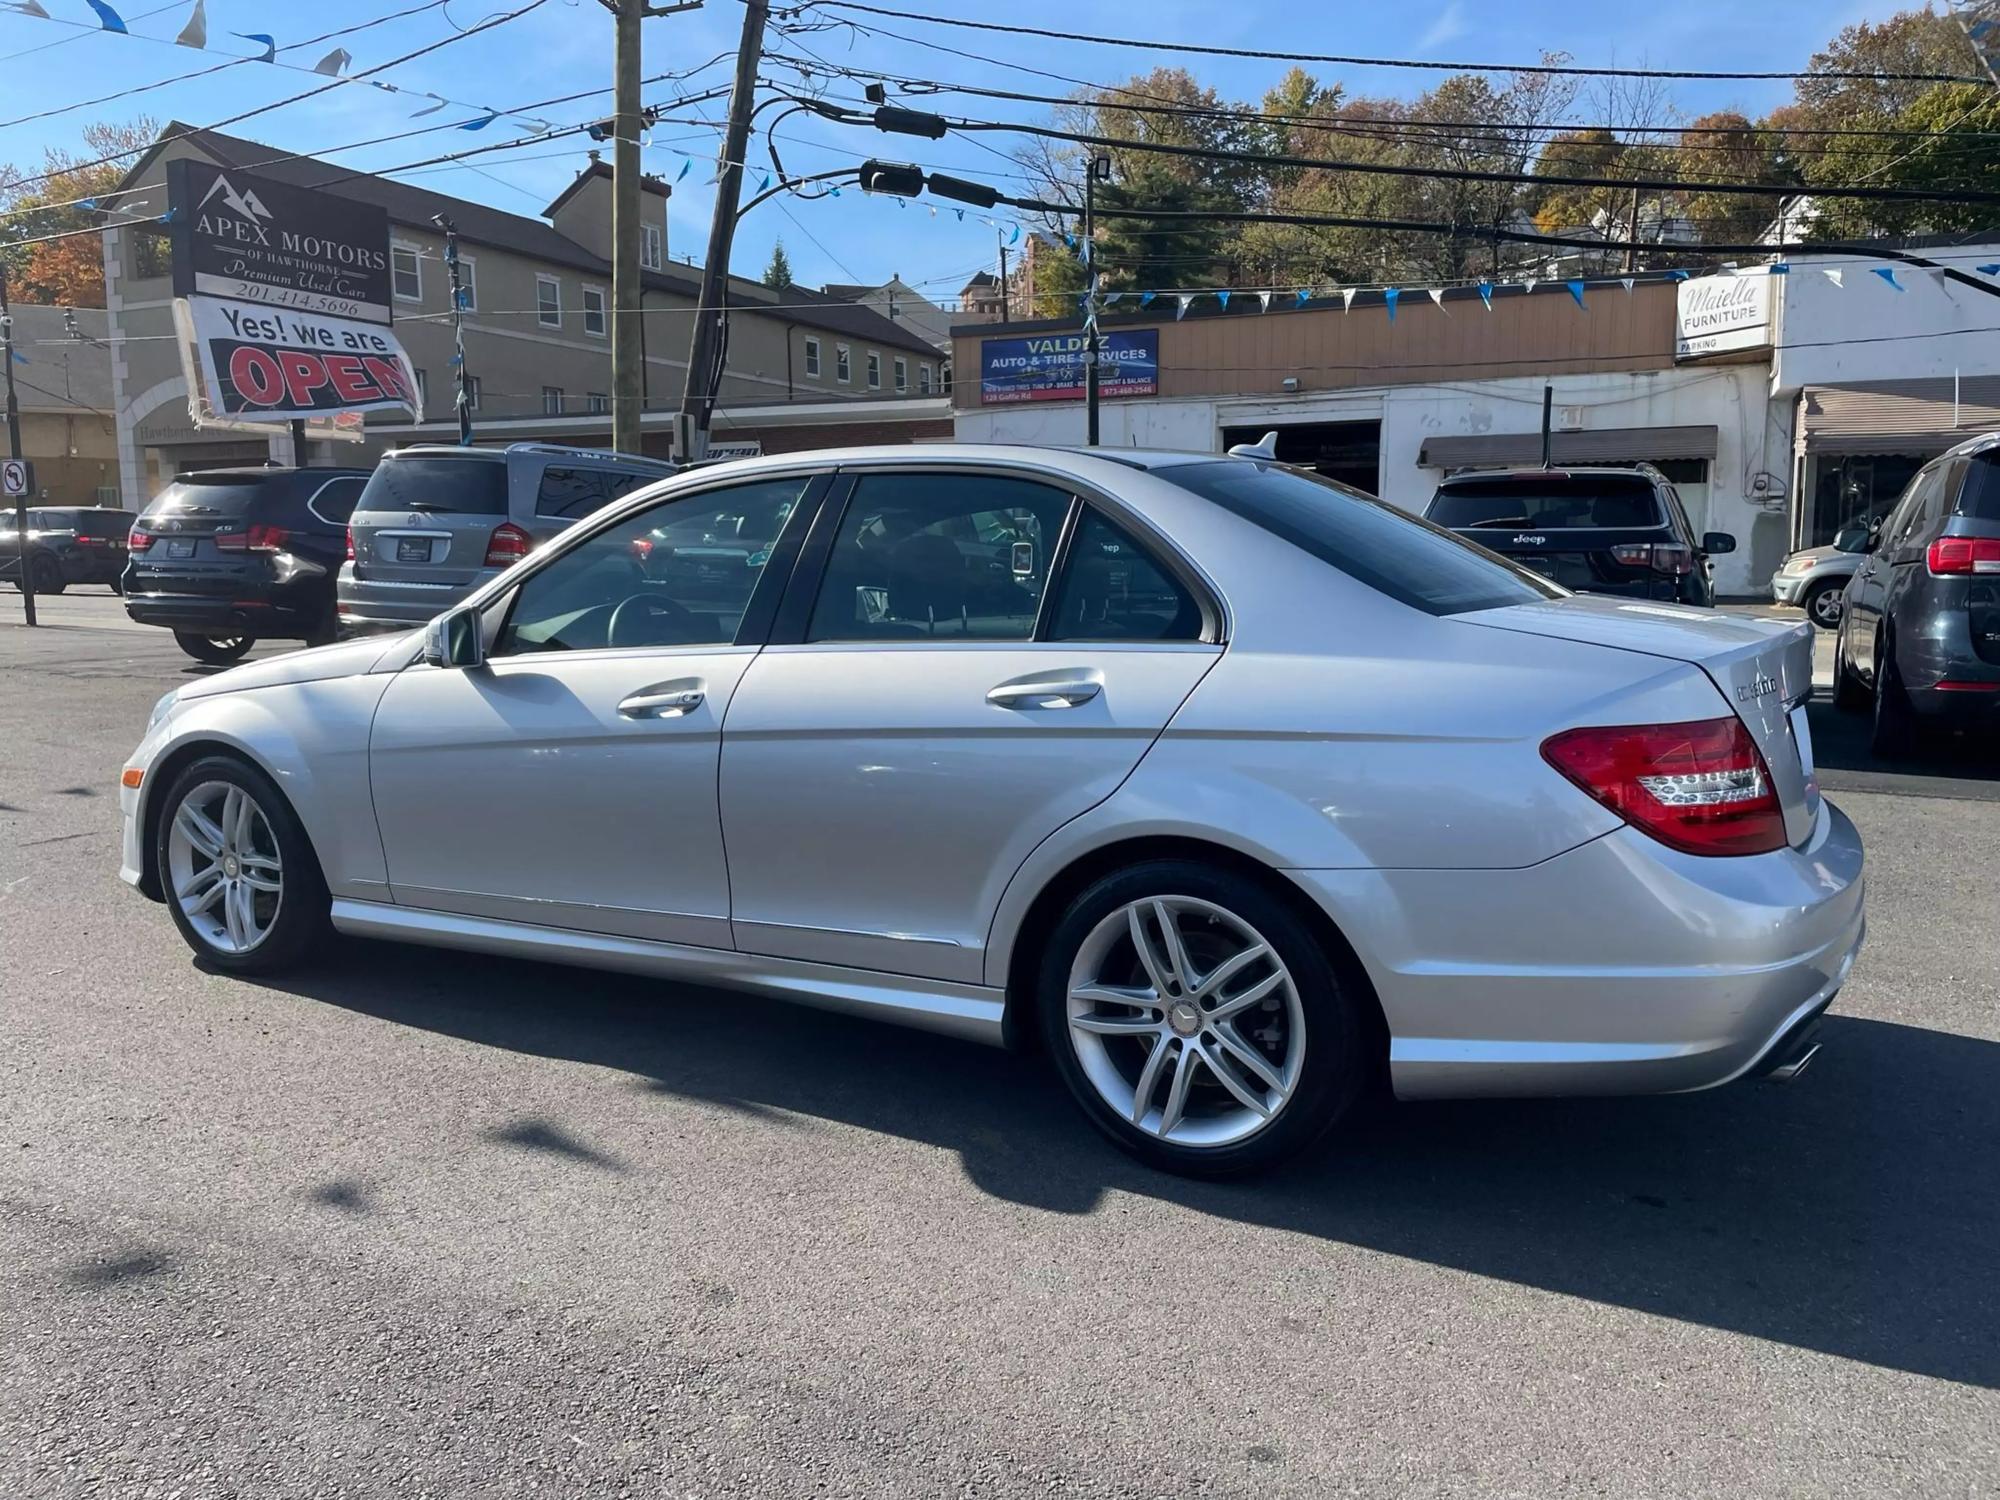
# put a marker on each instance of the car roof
(1084, 463)
(251, 473)
(1536, 471)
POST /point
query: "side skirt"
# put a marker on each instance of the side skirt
(968, 1011)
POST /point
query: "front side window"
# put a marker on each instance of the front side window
(548, 302)
(1412, 561)
(938, 557)
(406, 273)
(675, 574)
(594, 322)
(568, 493)
(1113, 590)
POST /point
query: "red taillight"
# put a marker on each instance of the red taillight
(1964, 554)
(350, 544)
(139, 540)
(1701, 788)
(507, 546)
(1662, 557)
(252, 539)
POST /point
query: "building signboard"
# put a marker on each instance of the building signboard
(1720, 314)
(260, 364)
(1050, 367)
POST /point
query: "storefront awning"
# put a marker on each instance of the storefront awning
(1898, 416)
(1600, 446)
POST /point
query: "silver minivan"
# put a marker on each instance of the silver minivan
(437, 521)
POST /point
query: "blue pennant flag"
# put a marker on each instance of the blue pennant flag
(19, 357)
(1888, 274)
(1223, 298)
(1070, 240)
(270, 44)
(457, 359)
(108, 16)
(1778, 268)
(88, 205)
(833, 192)
(1304, 294)
(1486, 294)
(686, 167)
(765, 185)
(1677, 275)
(464, 297)
(1576, 291)
(1146, 298)
(480, 124)
(1389, 298)
(1992, 270)
(961, 214)
(167, 217)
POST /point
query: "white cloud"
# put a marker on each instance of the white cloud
(1448, 27)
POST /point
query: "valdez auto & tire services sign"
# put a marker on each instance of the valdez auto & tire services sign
(1049, 367)
(252, 240)
(265, 364)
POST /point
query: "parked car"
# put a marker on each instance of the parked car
(66, 545)
(1919, 639)
(1598, 531)
(1244, 792)
(228, 557)
(1815, 579)
(437, 522)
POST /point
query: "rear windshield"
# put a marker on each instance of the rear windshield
(194, 497)
(1980, 498)
(447, 486)
(1391, 551)
(1548, 502)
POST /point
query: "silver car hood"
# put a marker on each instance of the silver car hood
(1763, 668)
(347, 659)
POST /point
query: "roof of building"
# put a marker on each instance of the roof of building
(57, 371)
(981, 279)
(657, 186)
(482, 224)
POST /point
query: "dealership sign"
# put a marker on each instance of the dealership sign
(1050, 367)
(261, 364)
(1717, 314)
(252, 240)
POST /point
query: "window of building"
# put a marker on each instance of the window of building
(598, 403)
(902, 373)
(843, 364)
(548, 302)
(652, 246)
(944, 377)
(472, 393)
(406, 273)
(594, 321)
(552, 401)
(468, 283)
(812, 358)
(874, 371)
(152, 254)
(923, 380)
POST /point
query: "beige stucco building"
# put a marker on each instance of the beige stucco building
(62, 382)
(804, 369)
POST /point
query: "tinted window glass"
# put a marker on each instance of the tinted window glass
(1980, 498)
(566, 493)
(447, 486)
(1547, 502)
(194, 496)
(939, 557)
(1397, 554)
(335, 501)
(1903, 520)
(675, 574)
(1112, 590)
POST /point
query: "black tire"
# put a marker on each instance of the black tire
(1894, 734)
(1335, 1069)
(47, 575)
(300, 921)
(325, 632)
(1824, 603)
(216, 650)
(118, 586)
(1850, 694)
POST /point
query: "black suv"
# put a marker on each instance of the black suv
(227, 557)
(1919, 637)
(66, 545)
(1598, 531)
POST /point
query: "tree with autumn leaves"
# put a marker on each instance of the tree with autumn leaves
(42, 200)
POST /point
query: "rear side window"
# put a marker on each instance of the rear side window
(1548, 502)
(1112, 590)
(1979, 500)
(444, 486)
(1410, 560)
(335, 500)
(569, 492)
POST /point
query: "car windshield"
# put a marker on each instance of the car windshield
(452, 486)
(1548, 502)
(1391, 551)
(195, 496)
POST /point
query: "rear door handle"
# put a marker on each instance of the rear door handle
(1058, 692)
(663, 700)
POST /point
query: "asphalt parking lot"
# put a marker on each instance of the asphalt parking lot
(424, 1224)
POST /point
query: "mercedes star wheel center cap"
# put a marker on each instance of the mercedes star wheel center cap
(1184, 1017)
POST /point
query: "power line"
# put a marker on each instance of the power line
(1562, 69)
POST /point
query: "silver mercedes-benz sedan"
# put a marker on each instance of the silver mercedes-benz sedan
(1233, 789)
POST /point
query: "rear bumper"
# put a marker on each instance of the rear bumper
(216, 615)
(1619, 967)
(369, 604)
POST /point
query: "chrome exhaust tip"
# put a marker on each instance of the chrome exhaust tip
(1800, 1059)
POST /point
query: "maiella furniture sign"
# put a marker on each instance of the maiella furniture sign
(248, 239)
(1719, 314)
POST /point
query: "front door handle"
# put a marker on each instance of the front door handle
(1055, 692)
(663, 700)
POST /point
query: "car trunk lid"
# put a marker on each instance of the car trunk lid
(1763, 669)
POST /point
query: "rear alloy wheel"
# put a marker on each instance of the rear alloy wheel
(1824, 603)
(1199, 1041)
(47, 574)
(1895, 731)
(216, 650)
(239, 873)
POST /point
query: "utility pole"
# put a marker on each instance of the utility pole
(1093, 344)
(1005, 315)
(1632, 249)
(463, 403)
(709, 345)
(25, 580)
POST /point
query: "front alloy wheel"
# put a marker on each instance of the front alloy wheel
(1824, 604)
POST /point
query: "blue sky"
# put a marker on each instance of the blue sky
(565, 46)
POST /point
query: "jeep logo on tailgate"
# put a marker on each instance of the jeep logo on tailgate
(1529, 539)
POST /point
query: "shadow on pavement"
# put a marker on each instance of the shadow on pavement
(1959, 765)
(1852, 1213)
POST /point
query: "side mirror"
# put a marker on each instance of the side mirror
(455, 639)
(1715, 543)
(1853, 539)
